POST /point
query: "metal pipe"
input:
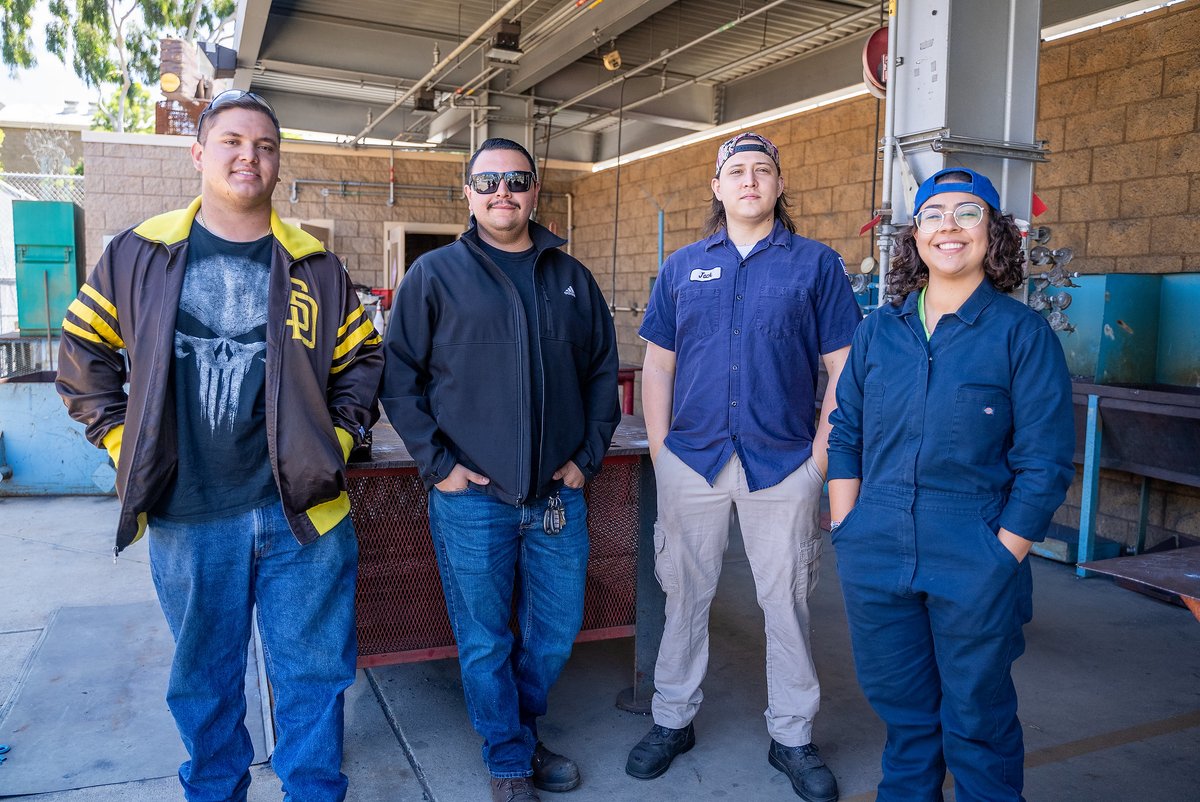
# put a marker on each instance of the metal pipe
(733, 65)
(439, 67)
(391, 177)
(566, 104)
(415, 190)
(570, 221)
(49, 335)
(888, 227)
(662, 216)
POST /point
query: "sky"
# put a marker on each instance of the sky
(48, 84)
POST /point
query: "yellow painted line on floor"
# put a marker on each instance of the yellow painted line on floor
(1097, 743)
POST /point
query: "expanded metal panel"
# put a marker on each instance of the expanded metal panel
(399, 606)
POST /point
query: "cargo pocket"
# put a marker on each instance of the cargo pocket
(664, 569)
(808, 567)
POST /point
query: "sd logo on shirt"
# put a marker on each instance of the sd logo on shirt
(706, 275)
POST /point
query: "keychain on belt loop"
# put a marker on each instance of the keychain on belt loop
(555, 517)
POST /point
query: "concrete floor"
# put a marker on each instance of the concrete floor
(1110, 689)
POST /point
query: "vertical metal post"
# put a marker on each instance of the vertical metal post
(1090, 504)
(661, 224)
(1143, 515)
(887, 228)
(49, 332)
(651, 615)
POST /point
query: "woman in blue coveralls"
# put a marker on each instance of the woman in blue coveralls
(951, 448)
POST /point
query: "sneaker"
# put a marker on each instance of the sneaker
(513, 789)
(811, 779)
(654, 753)
(553, 772)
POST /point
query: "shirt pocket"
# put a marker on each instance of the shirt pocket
(699, 311)
(982, 425)
(780, 311)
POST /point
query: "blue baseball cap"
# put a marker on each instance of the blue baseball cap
(980, 186)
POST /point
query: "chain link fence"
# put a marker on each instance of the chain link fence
(43, 186)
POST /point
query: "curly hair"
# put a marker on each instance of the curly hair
(1003, 264)
(715, 220)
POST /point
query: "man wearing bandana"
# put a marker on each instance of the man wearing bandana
(737, 327)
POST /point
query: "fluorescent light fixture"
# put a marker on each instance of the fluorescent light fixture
(836, 96)
(1102, 18)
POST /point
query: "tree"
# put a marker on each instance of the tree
(111, 44)
(50, 147)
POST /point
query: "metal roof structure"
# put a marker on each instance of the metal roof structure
(430, 71)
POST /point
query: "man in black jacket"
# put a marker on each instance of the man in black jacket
(501, 378)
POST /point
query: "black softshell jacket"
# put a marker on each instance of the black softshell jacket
(457, 376)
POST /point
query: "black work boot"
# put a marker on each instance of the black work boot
(811, 779)
(513, 789)
(654, 753)
(553, 772)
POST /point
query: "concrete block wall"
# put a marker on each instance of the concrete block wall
(1120, 109)
(130, 178)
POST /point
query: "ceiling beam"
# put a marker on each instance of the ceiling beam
(577, 38)
(248, 27)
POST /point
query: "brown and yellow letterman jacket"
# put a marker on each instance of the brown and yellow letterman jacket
(323, 365)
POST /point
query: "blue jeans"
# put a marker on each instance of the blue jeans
(486, 549)
(209, 576)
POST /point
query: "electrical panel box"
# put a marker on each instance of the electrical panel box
(48, 239)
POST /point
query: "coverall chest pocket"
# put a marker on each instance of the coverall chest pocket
(982, 425)
(699, 311)
(780, 310)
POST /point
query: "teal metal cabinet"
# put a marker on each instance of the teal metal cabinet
(48, 238)
(1116, 329)
(1179, 330)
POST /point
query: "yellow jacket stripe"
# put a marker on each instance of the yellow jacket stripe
(81, 332)
(100, 300)
(92, 318)
(350, 318)
(347, 345)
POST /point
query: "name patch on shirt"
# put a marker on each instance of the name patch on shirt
(706, 275)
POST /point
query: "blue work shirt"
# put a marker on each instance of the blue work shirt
(748, 335)
(983, 407)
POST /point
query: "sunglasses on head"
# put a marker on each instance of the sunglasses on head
(487, 183)
(966, 215)
(229, 97)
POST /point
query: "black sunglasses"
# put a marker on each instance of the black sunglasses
(228, 98)
(487, 183)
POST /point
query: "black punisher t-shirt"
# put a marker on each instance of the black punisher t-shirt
(219, 374)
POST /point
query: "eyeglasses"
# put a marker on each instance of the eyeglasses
(966, 215)
(228, 98)
(488, 183)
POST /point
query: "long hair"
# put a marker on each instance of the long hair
(716, 216)
(1003, 264)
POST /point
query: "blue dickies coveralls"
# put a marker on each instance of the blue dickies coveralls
(953, 437)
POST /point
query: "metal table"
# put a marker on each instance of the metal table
(399, 607)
